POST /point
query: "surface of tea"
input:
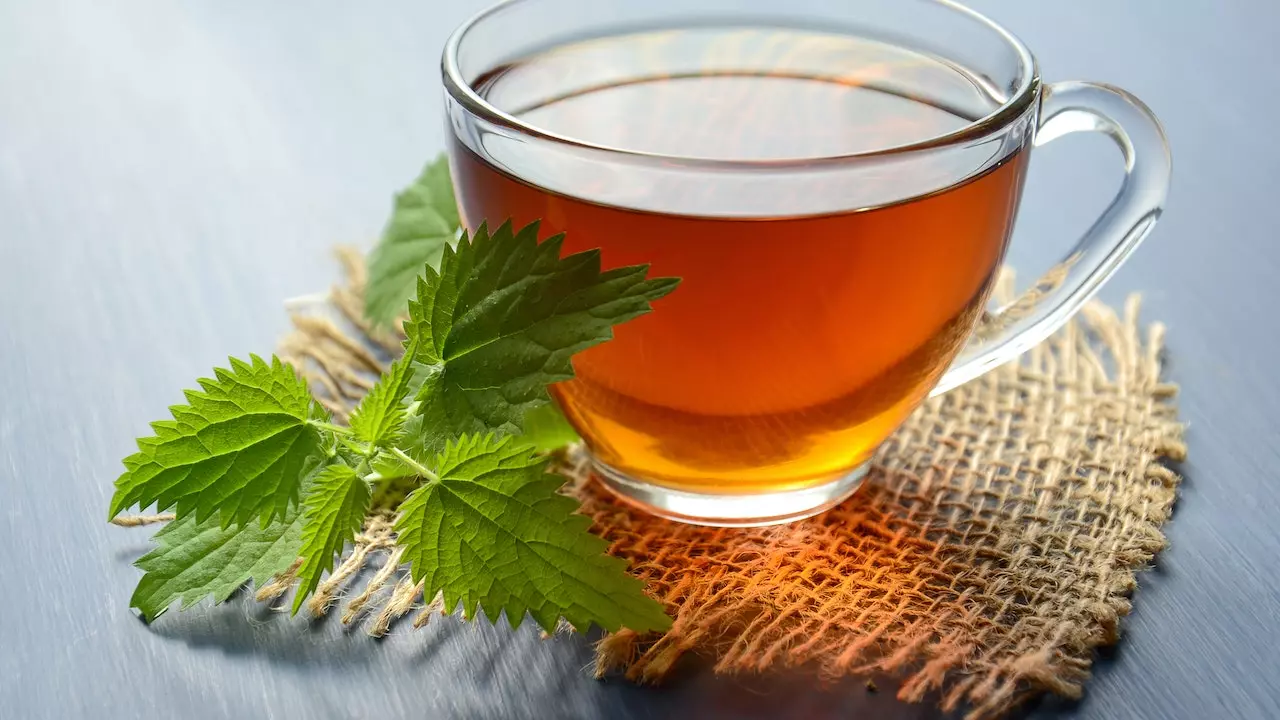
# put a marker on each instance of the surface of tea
(795, 345)
(739, 94)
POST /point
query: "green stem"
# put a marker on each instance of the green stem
(415, 465)
(338, 429)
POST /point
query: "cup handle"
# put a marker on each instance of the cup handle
(1066, 108)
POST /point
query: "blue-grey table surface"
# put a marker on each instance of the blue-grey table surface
(171, 171)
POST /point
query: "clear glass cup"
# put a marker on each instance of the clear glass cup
(836, 184)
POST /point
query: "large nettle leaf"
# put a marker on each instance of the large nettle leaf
(489, 530)
(500, 321)
(423, 223)
(194, 559)
(240, 448)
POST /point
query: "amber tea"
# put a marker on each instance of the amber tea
(835, 183)
(795, 344)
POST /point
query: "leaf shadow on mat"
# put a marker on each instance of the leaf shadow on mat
(243, 627)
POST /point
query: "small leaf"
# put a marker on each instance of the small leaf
(501, 320)
(333, 513)
(379, 417)
(195, 559)
(492, 532)
(423, 223)
(389, 466)
(240, 448)
(546, 428)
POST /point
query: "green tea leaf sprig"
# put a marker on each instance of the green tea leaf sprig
(262, 480)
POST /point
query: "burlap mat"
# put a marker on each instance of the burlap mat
(992, 549)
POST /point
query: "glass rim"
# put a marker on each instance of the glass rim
(1004, 115)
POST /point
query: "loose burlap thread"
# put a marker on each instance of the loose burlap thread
(992, 549)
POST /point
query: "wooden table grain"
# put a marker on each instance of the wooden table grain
(171, 171)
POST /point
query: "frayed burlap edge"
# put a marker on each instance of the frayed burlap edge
(950, 569)
(982, 578)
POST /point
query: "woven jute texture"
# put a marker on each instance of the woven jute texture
(993, 547)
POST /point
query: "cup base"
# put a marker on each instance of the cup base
(723, 510)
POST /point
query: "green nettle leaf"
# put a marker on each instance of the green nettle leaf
(240, 448)
(490, 530)
(546, 428)
(483, 522)
(423, 223)
(388, 465)
(333, 513)
(195, 559)
(380, 416)
(501, 320)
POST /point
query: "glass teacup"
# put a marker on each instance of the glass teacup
(835, 183)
